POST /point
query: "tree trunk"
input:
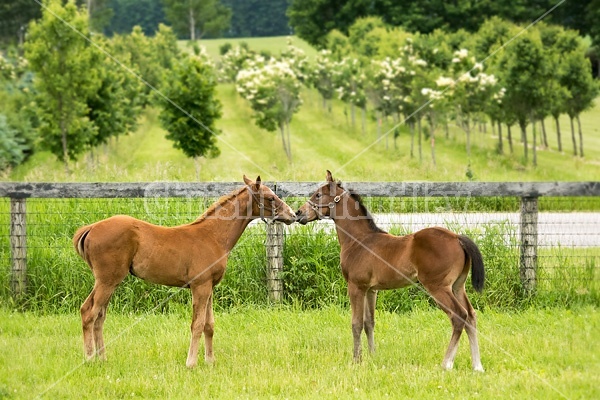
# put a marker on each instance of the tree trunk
(289, 141)
(433, 147)
(500, 144)
(523, 126)
(558, 138)
(364, 120)
(353, 114)
(534, 146)
(544, 136)
(446, 128)
(197, 167)
(63, 135)
(378, 122)
(192, 25)
(468, 132)
(509, 137)
(283, 142)
(419, 139)
(573, 137)
(580, 137)
(412, 139)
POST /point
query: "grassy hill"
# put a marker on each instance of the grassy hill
(321, 140)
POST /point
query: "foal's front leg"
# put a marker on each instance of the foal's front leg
(369, 320)
(357, 304)
(200, 297)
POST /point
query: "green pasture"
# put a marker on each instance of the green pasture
(289, 353)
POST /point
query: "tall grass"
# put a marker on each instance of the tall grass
(59, 281)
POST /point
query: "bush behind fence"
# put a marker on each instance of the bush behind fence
(59, 281)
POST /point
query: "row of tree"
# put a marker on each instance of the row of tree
(74, 91)
(437, 77)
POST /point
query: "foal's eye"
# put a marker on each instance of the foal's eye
(318, 195)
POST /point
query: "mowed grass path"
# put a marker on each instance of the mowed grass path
(285, 353)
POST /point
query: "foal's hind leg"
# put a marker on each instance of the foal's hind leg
(357, 304)
(458, 316)
(98, 336)
(93, 313)
(369, 317)
(471, 329)
(209, 330)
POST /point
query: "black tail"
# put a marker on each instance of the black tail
(477, 270)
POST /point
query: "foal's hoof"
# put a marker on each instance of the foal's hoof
(210, 360)
(478, 368)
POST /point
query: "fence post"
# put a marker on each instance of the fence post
(18, 247)
(529, 236)
(274, 246)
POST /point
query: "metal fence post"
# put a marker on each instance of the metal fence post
(18, 247)
(274, 247)
(529, 242)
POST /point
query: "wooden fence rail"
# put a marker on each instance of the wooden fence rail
(529, 192)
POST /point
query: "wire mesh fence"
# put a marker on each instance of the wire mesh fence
(567, 264)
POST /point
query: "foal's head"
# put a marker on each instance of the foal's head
(323, 202)
(266, 204)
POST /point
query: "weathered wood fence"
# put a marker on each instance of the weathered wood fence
(528, 192)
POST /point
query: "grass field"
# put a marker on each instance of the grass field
(285, 353)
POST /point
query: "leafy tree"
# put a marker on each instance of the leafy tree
(196, 18)
(15, 15)
(576, 77)
(99, 13)
(273, 90)
(14, 148)
(312, 20)
(349, 80)
(114, 106)
(321, 77)
(64, 64)
(524, 72)
(146, 56)
(257, 18)
(147, 14)
(191, 109)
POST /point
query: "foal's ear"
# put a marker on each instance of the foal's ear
(247, 181)
(257, 181)
(329, 177)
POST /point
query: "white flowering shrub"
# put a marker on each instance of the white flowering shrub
(321, 74)
(273, 90)
(232, 62)
(349, 80)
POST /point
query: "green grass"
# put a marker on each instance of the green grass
(286, 353)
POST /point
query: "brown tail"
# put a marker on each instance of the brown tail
(79, 241)
(473, 253)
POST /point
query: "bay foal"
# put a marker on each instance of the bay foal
(193, 256)
(372, 260)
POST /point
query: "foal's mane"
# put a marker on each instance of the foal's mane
(219, 203)
(363, 209)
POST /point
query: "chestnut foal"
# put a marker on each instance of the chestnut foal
(372, 260)
(193, 256)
